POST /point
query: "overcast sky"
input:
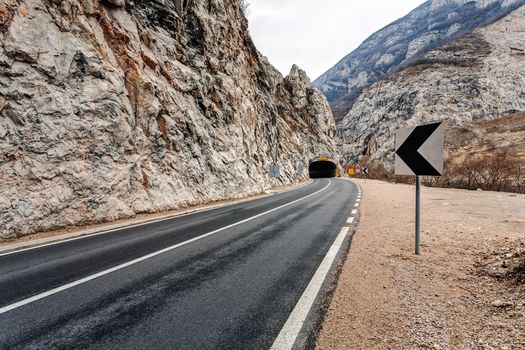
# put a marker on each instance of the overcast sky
(316, 34)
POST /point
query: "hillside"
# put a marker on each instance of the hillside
(434, 23)
(476, 84)
(110, 108)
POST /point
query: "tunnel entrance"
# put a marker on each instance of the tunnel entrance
(322, 169)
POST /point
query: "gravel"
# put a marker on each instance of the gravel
(464, 292)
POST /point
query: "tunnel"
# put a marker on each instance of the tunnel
(322, 168)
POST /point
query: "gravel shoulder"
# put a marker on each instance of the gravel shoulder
(466, 290)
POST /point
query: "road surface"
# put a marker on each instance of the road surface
(223, 278)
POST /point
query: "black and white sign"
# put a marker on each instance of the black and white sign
(365, 171)
(419, 150)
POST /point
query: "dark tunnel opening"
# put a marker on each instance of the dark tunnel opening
(322, 169)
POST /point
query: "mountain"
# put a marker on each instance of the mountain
(432, 24)
(475, 84)
(110, 108)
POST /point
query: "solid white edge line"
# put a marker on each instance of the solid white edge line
(146, 257)
(350, 220)
(175, 216)
(288, 334)
(354, 211)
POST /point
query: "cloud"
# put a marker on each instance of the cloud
(317, 34)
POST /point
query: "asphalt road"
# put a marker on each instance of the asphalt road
(232, 289)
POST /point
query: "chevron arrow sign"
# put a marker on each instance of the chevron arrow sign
(419, 150)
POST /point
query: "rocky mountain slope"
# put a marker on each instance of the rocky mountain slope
(434, 23)
(109, 108)
(476, 84)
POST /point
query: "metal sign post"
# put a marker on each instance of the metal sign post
(418, 213)
(419, 152)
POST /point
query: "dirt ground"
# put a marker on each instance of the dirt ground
(466, 290)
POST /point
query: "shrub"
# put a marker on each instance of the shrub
(494, 172)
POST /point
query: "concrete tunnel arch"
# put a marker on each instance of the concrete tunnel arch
(322, 168)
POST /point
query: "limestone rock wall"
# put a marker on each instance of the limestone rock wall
(109, 108)
(475, 79)
(434, 23)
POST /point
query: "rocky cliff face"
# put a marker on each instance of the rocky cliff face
(476, 84)
(109, 108)
(434, 23)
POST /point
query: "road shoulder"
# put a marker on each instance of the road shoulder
(42, 238)
(460, 293)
